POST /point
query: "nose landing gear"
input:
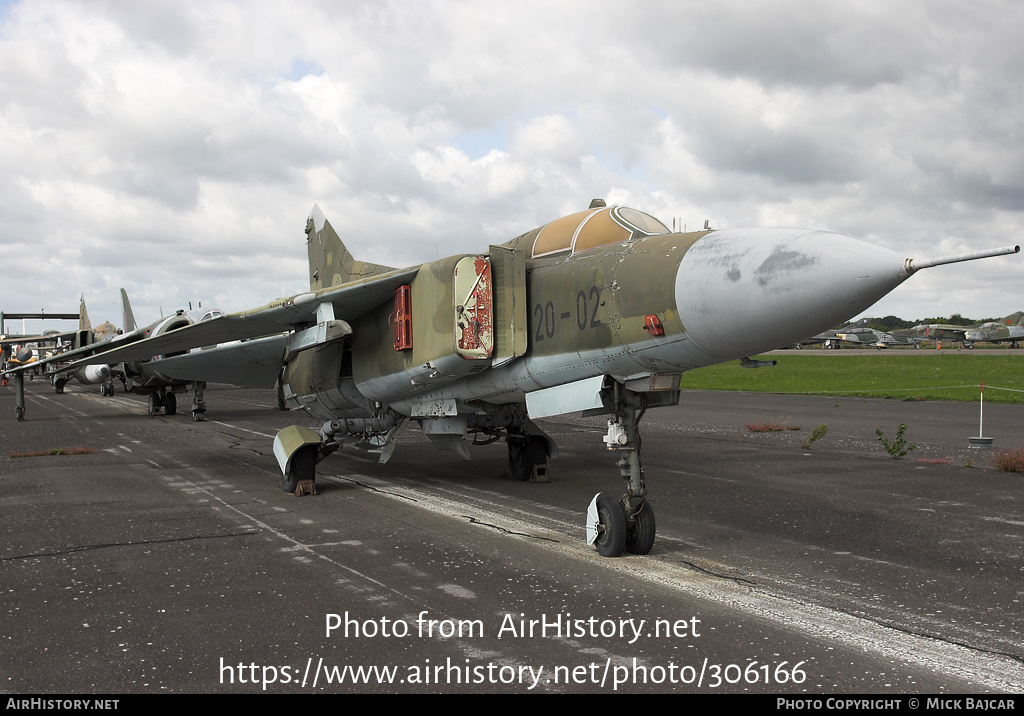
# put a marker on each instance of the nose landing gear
(627, 523)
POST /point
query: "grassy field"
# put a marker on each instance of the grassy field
(933, 376)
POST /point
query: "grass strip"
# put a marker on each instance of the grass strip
(941, 376)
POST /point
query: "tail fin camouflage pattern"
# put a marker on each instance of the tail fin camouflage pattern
(330, 263)
(84, 336)
(83, 317)
(126, 309)
(1014, 319)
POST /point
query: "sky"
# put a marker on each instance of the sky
(175, 149)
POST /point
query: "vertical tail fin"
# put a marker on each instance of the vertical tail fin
(126, 310)
(330, 263)
(84, 336)
(83, 316)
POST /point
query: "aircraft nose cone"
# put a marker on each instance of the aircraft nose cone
(745, 291)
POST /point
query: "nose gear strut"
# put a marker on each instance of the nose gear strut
(628, 523)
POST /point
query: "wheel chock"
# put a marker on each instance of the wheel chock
(539, 473)
(305, 487)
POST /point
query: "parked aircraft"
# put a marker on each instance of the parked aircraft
(998, 332)
(598, 312)
(52, 337)
(138, 376)
(830, 339)
(21, 350)
(1007, 330)
(877, 339)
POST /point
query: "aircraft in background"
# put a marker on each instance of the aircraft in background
(1007, 330)
(877, 339)
(138, 376)
(830, 339)
(22, 350)
(598, 312)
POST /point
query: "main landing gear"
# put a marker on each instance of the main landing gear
(627, 523)
(527, 456)
(165, 399)
(198, 402)
(107, 387)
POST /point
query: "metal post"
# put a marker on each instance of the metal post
(980, 442)
(19, 395)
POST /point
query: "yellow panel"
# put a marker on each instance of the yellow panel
(557, 236)
(600, 230)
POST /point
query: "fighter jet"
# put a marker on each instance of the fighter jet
(598, 312)
(137, 376)
(25, 349)
(8, 341)
(998, 332)
(877, 339)
(830, 339)
(1007, 330)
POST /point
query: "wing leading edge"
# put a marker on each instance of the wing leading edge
(349, 301)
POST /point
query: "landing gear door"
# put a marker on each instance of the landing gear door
(508, 268)
(474, 308)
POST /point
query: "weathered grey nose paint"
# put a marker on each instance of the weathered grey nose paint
(745, 291)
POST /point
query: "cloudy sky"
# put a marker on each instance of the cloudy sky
(176, 148)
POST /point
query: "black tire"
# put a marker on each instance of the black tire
(302, 467)
(153, 404)
(170, 404)
(522, 456)
(640, 536)
(281, 403)
(612, 539)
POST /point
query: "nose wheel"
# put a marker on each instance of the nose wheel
(612, 532)
(606, 526)
(641, 530)
(627, 524)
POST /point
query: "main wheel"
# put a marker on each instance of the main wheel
(154, 404)
(640, 535)
(170, 404)
(522, 456)
(302, 467)
(611, 538)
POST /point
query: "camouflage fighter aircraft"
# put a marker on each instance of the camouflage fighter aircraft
(9, 341)
(830, 339)
(138, 376)
(599, 312)
(877, 339)
(23, 350)
(1007, 330)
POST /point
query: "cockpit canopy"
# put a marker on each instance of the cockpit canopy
(595, 227)
(204, 314)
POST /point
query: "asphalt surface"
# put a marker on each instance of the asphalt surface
(168, 559)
